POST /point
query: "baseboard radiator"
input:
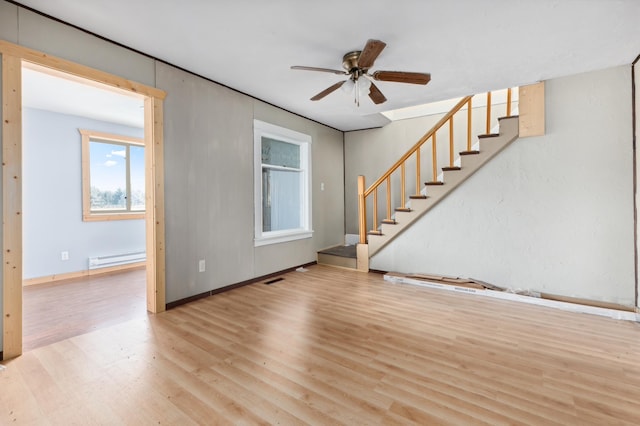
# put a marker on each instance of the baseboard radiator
(116, 259)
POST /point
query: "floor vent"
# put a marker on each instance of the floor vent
(275, 280)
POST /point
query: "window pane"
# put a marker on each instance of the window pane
(108, 176)
(278, 153)
(136, 162)
(281, 200)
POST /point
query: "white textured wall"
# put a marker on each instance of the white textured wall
(552, 213)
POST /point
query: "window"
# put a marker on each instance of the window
(282, 184)
(113, 173)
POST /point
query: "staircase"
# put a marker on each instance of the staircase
(442, 183)
(471, 161)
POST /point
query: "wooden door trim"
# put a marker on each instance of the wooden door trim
(13, 58)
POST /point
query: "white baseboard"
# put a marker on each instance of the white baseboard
(565, 306)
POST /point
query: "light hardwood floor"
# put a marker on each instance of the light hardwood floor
(330, 346)
(59, 310)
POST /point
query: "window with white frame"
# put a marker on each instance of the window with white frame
(113, 177)
(282, 184)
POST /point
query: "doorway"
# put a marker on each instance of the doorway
(13, 58)
(76, 264)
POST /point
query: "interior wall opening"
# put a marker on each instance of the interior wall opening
(80, 272)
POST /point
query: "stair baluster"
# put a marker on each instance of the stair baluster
(401, 164)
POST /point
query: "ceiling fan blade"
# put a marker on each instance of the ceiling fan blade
(328, 90)
(298, 67)
(402, 77)
(370, 53)
(376, 95)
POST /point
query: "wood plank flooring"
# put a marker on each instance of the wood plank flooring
(330, 347)
(56, 311)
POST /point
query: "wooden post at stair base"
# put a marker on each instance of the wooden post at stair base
(362, 257)
(362, 211)
(362, 249)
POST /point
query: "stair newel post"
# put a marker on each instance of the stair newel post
(488, 113)
(451, 141)
(402, 185)
(418, 171)
(389, 198)
(469, 124)
(362, 211)
(434, 154)
(509, 102)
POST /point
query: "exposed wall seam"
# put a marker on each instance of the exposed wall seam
(344, 185)
(635, 174)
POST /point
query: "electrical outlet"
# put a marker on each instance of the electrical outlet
(64, 255)
(201, 265)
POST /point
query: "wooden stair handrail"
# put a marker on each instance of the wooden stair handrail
(417, 145)
(415, 149)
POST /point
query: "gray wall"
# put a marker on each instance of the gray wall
(52, 197)
(553, 213)
(208, 162)
(209, 186)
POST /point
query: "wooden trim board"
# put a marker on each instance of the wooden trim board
(65, 68)
(12, 204)
(82, 274)
(13, 58)
(565, 306)
(531, 110)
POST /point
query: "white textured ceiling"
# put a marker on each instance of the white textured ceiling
(468, 46)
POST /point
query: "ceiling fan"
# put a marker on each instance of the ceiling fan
(356, 65)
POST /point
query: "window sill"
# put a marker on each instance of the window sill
(98, 217)
(282, 237)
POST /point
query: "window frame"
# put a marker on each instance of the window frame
(92, 216)
(262, 129)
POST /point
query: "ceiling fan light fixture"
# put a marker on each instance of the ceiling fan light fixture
(348, 87)
(360, 82)
(364, 85)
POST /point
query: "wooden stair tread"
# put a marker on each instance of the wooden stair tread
(417, 197)
(434, 183)
(389, 221)
(488, 135)
(451, 169)
(469, 152)
(374, 232)
(505, 117)
(402, 209)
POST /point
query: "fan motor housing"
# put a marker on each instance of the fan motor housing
(350, 62)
